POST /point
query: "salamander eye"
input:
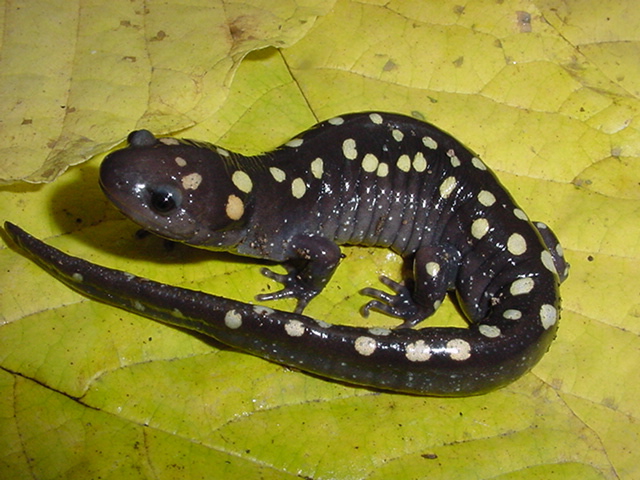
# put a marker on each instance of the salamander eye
(165, 199)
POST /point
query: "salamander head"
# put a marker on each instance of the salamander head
(178, 189)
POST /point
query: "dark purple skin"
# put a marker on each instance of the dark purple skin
(374, 179)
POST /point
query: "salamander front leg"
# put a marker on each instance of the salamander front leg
(312, 264)
(434, 272)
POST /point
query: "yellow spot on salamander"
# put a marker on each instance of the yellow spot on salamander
(181, 162)
(222, 152)
(512, 314)
(294, 328)
(432, 268)
(547, 261)
(521, 286)
(383, 170)
(323, 324)
(486, 198)
(418, 351)
(520, 214)
(379, 331)
(349, 149)
(548, 316)
(234, 207)
(138, 305)
(455, 161)
(404, 163)
(370, 163)
(277, 174)
(376, 118)
(317, 168)
(233, 320)
(169, 141)
(298, 188)
(489, 331)
(458, 349)
(191, 181)
(419, 162)
(294, 143)
(430, 143)
(365, 346)
(478, 163)
(261, 310)
(516, 244)
(479, 228)
(448, 186)
(242, 181)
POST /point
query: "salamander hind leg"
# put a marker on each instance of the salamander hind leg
(434, 273)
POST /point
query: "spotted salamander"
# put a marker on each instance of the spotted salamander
(373, 179)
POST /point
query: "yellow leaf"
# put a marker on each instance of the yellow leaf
(545, 92)
(76, 75)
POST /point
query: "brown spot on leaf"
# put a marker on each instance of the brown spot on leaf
(161, 35)
(524, 21)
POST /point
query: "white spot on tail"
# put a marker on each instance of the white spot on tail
(233, 320)
(294, 328)
(458, 349)
(365, 345)
(418, 351)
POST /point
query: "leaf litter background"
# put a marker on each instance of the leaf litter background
(546, 92)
